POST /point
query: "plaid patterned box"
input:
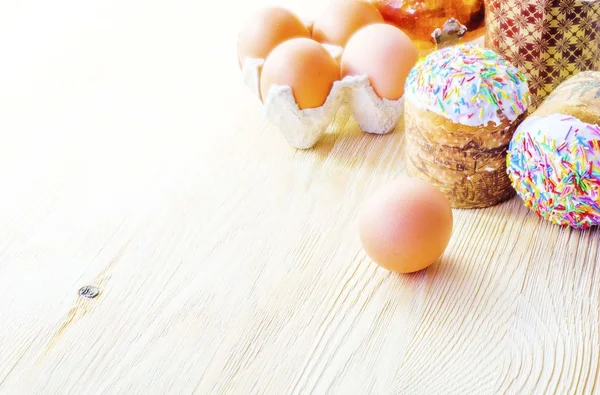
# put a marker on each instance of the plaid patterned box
(549, 40)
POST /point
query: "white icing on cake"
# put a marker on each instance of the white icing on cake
(468, 84)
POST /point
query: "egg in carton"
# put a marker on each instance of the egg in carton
(303, 128)
(372, 89)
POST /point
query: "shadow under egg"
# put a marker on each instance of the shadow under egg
(445, 267)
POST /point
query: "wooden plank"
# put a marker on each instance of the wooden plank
(133, 158)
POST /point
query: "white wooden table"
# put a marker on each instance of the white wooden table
(133, 159)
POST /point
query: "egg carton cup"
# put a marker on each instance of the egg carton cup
(251, 68)
(304, 128)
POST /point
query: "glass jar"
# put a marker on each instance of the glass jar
(419, 18)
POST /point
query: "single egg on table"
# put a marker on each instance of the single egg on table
(406, 225)
(340, 19)
(266, 29)
(384, 54)
(305, 66)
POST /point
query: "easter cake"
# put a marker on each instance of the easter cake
(554, 157)
(462, 105)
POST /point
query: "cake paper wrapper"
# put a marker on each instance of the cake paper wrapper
(466, 163)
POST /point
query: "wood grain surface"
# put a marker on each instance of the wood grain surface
(134, 159)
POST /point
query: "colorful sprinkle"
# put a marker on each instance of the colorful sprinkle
(569, 193)
(469, 84)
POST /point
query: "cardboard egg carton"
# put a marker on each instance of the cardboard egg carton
(303, 128)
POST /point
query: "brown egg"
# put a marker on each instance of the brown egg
(340, 19)
(266, 29)
(384, 54)
(406, 225)
(305, 66)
